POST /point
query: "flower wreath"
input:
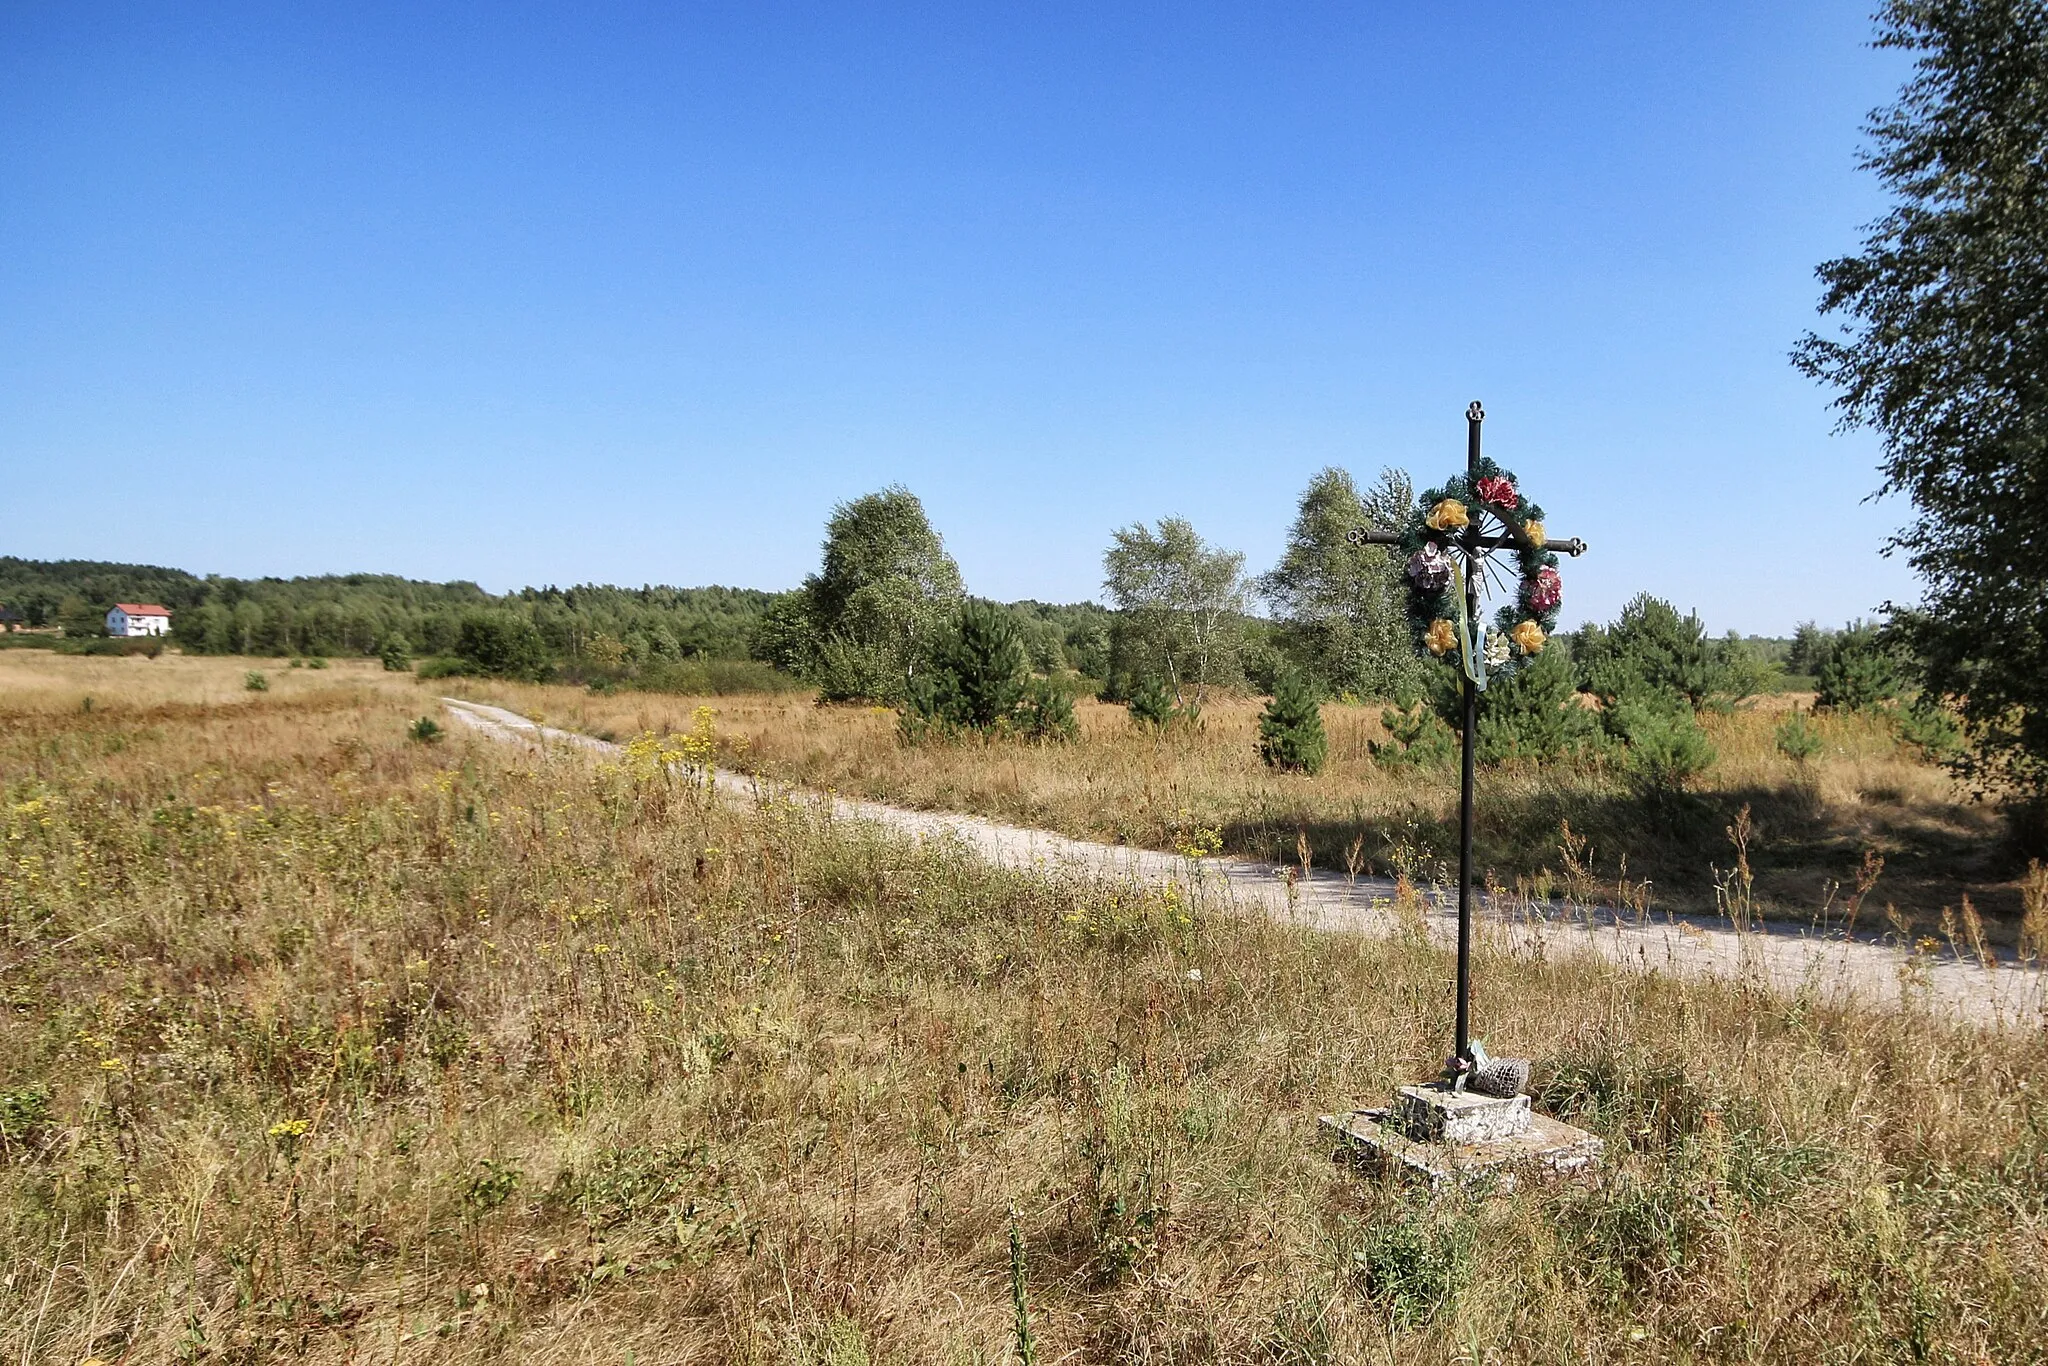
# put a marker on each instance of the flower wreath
(1434, 574)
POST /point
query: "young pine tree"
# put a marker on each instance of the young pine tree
(1291, 729)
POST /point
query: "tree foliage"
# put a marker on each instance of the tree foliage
(1651, 648)
(1945, 354)
(867, 621)
(1343, 604)
(1181, 605)
(1291, 735)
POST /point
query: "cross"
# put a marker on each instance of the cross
(1473, 543)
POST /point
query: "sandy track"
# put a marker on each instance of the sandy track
(1786, 959)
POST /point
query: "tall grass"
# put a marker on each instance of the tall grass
(1814, 822)
(325, 1044)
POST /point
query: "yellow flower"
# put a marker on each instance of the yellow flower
(1441, 637)
(1529, 636)
(1535, 530)
(1448, 515)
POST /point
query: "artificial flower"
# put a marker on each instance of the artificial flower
(1546, 590)
(1535, 530)
(1448, 515)
(1441, 637)
(1529, 636)
(1429, 568)
(1496, 489)
(1497, 648)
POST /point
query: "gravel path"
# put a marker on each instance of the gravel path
(1781, 957)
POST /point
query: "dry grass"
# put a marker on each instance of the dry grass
(1815, 823)
(322, 1043)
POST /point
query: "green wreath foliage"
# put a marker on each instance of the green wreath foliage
(1487, 493)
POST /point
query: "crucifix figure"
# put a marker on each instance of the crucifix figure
(1475, 540)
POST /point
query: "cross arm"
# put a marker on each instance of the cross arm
(1574, 546)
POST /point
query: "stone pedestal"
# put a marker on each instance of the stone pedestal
(1434, 1113)
(1450, 1137)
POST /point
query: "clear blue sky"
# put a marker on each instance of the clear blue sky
(534, 294)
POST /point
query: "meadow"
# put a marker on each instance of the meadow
(325, 1042)
(1815, 827)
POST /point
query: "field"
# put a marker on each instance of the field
(1814, 824)
(323, 1042)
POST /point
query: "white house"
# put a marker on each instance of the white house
(138, 619)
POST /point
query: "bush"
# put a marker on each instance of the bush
(980, 666)
(501, 645)
(1291, 735)
(443, 666)
(847, 671)
(1651, 647)
(254, 681)
(1418, 738)
(1149, 702)
(1666, 747)
(1412, 1267)
(317, 662)
(1047, 714)
(1799, 739)
(396, 654)
(1532, 717)
(426, 730)
(1861, 674)
(1930, 728)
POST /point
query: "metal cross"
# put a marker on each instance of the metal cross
(1473, 544)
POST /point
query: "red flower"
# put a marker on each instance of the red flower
(1545, 591)
(1496, 489)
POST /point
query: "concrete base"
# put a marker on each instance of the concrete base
(1434, 1113)
(1544, 1146)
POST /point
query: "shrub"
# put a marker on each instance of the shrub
(847, 671)
(317, 662)
(1047, 714)
(443, 666)
(396, 654)
(254, 681)
(1418, 738)
(1930, 728)
(501, 645)
(1862, 672)
(1412, 1267)
(1291, 733)
(1799, 738)
(981, 667)
(1533, 717)
(1666, 747)
(1150, 703)
(425, 730)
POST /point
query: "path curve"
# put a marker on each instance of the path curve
(1784, 958)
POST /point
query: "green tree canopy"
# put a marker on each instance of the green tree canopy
(1651, 648)
(876, 606)
(1945, 355)
(1181, 603)
(1343, 604)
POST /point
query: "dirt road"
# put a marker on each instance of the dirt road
(1785, 958)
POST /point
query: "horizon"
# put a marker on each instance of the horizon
(637, 297)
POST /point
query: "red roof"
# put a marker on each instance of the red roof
(143, 609)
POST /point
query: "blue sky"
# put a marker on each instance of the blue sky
(533, 294)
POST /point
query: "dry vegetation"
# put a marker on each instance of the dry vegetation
(1814, 823)
(322, 1042)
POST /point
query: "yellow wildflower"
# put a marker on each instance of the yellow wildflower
(1448, 515)
(1529, 636)
(1441, 638)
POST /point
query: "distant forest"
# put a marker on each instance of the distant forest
(590, 628)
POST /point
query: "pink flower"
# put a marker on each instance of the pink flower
(1546, 591)
(1497, 489)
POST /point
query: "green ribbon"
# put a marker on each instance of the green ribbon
(1471, 655)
